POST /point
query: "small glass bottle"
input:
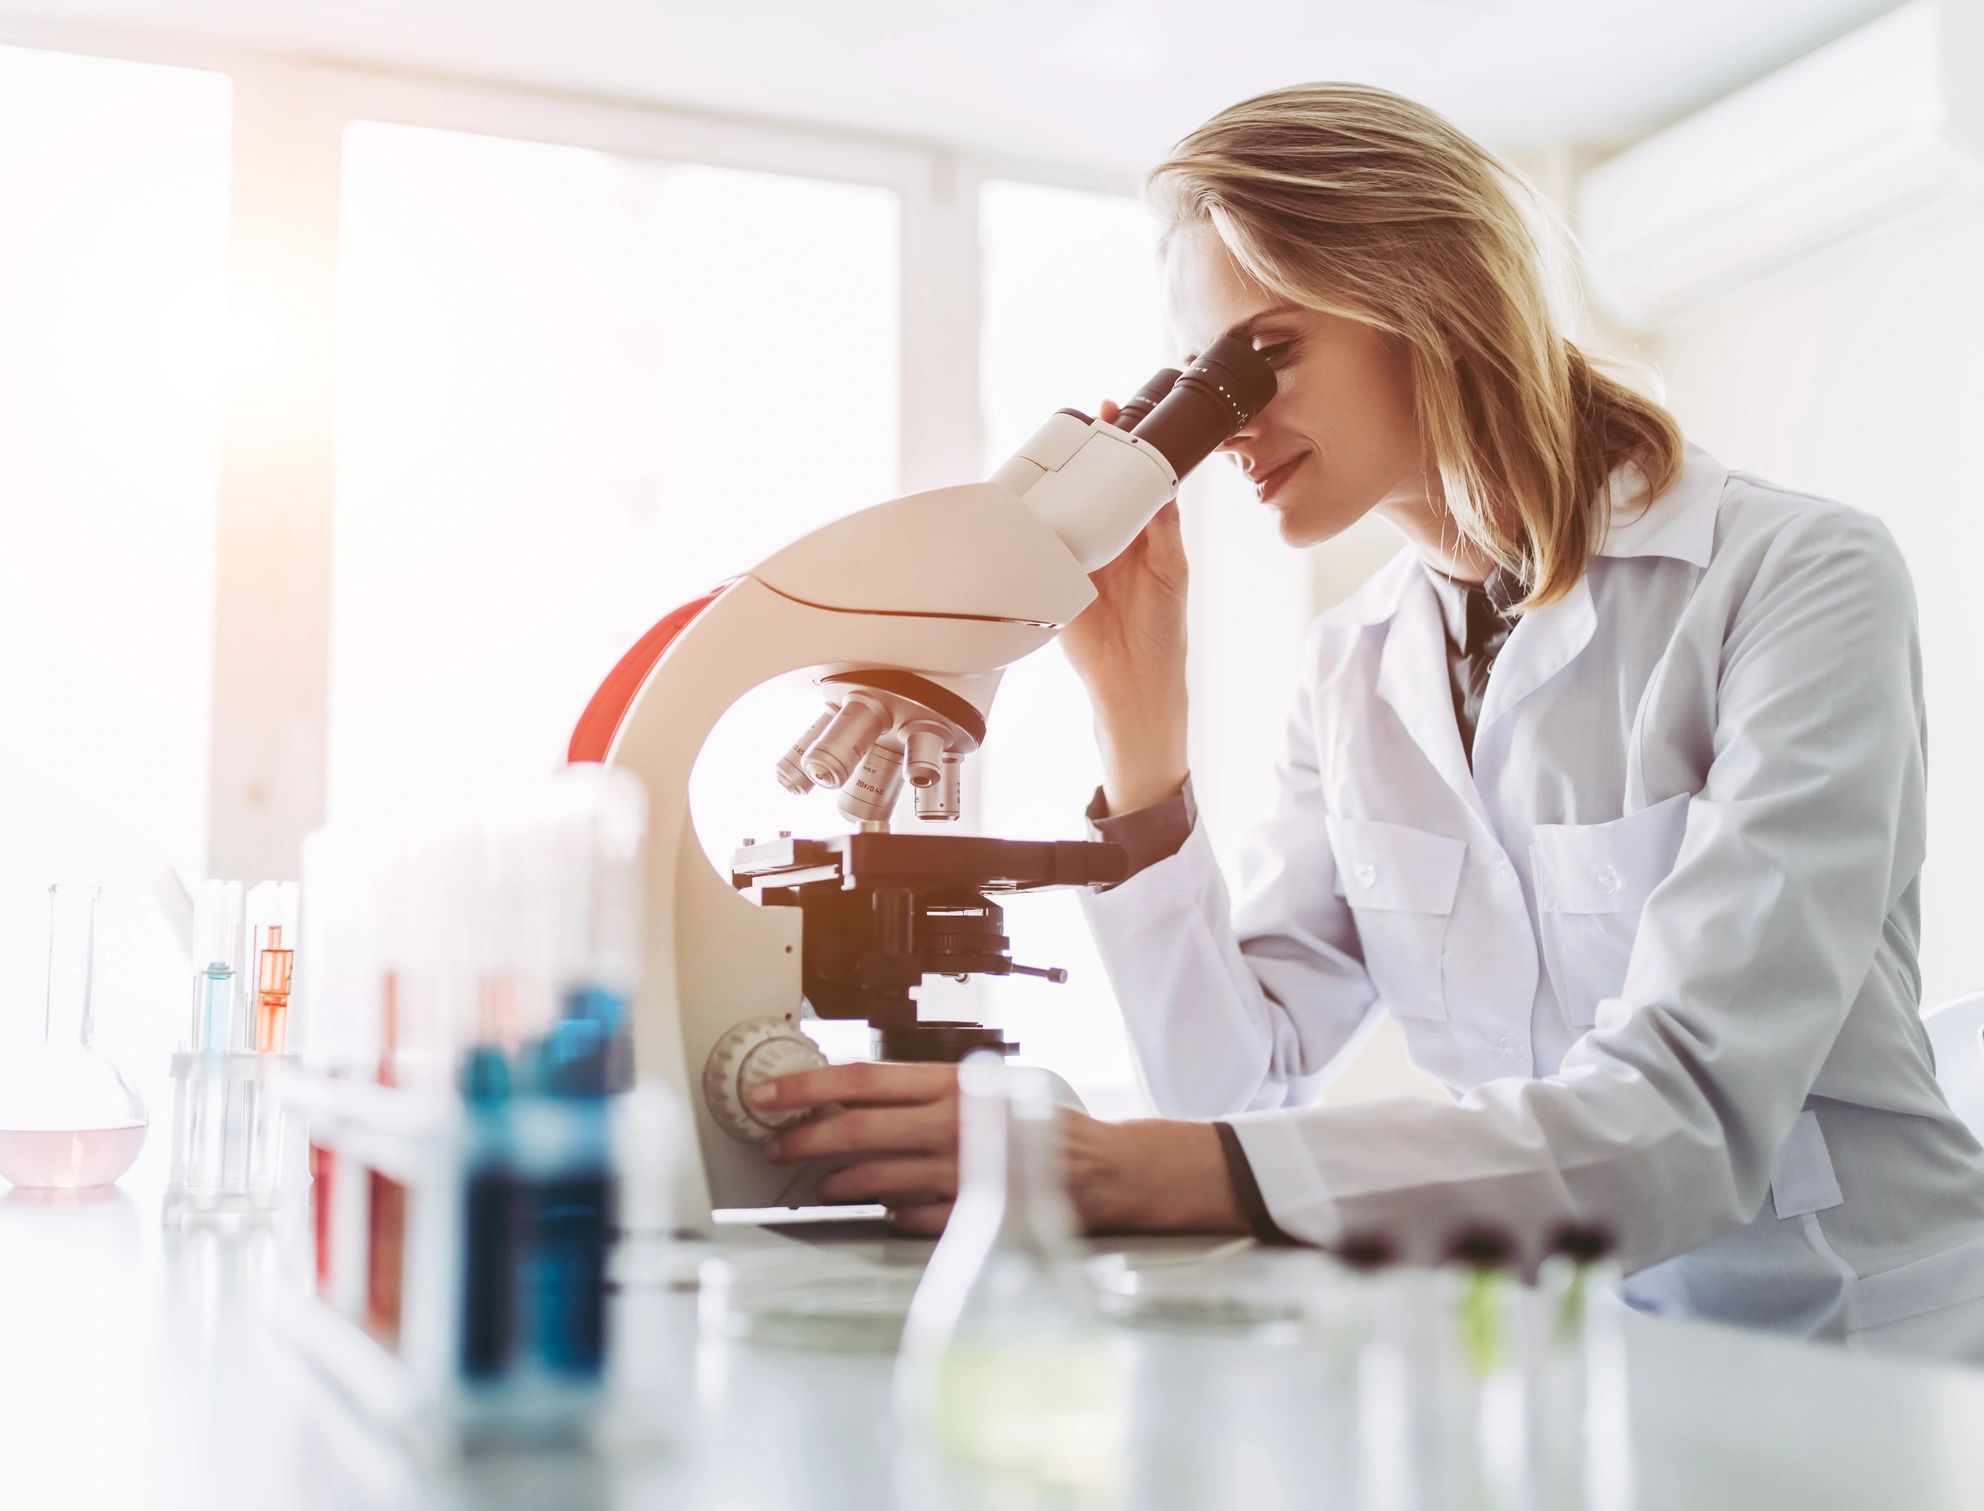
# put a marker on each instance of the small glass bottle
(68, 1118)
(1006, 1383)
(1580, 1447)
(1442, 1389)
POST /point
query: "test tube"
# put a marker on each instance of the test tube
(565, 1178)
(271, 910)
(489, 1201)
(212, 1159)
(216, 959)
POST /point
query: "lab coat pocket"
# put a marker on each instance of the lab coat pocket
(1400, 883)
(1591, 882)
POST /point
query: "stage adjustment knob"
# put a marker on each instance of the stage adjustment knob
(749, 1052)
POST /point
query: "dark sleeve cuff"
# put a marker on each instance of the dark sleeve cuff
(1247, 1190)
(1149, 834)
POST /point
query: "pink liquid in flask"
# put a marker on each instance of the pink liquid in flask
(68, 1160)
(68, 1118)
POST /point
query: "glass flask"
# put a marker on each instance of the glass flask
(1007, 1383)
(68, 1118)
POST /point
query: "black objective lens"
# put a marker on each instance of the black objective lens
(1146, 400)
(1222, 390)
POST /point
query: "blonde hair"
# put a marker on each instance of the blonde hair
(1349, 199)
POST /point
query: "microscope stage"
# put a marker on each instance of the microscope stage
(919, 861)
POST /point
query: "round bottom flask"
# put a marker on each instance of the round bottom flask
(68, 1118)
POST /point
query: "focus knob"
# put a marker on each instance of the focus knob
(749, 1052)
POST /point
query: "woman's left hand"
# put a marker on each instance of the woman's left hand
(899, 1123)
(900, 1120)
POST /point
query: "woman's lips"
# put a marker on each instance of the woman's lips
(1268, 484)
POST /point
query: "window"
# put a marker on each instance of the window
(575, 390)
(1073, 315)
(113, 258)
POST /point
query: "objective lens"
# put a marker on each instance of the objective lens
(832, 758)
(1222, 390)
(1146, 399)
(791, 775)
(943, 800)
(870, 795)
(923, 752)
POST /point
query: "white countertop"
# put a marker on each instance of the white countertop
(140, 1368)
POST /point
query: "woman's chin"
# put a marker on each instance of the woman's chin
(1299, 526)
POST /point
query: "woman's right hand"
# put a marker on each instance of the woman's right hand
(1128, 647)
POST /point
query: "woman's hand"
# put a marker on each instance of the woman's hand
(1128, 647)
(901, 1119)
(900, 1123)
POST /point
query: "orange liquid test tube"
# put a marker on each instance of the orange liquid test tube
(273, 971)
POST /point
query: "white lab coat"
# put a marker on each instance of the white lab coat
(1659, 943)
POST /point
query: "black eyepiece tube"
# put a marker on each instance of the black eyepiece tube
(1146, 399)
(1222, 390)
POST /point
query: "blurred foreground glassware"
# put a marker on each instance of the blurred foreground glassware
(68, 1118)
(805, 1298)
(1443, 1383)
(1236, 1291)
(1007, 1387)
(1580, 1445)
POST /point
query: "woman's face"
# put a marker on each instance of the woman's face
(1340, 437)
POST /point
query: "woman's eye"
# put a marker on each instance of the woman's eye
(1275, 352)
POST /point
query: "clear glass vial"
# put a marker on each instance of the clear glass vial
(68, 1118)
(1580, 1442)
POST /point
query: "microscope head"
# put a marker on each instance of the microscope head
(1096, 485)
(881, 911)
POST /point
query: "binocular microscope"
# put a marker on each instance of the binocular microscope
(905, 615)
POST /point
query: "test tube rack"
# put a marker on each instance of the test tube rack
(233, 1145)
(455, 1281)
(471, 973)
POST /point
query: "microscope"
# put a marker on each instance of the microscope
(905, 616)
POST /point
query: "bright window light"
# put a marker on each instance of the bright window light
(113, 259)
(575, 391)
(1071, 317)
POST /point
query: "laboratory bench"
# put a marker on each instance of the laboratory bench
(140, 1367)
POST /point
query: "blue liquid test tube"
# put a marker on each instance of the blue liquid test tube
(216, 955)
(489, 1222)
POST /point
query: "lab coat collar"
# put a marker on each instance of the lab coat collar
(1679, 522)
(1412, 678)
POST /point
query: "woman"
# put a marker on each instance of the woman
(1609, 789)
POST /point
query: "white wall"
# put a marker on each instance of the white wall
(1858, 376)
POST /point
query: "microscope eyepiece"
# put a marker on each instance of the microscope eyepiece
(1146, 399)
(1224, 388)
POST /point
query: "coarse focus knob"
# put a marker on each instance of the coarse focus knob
(749, 1052)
